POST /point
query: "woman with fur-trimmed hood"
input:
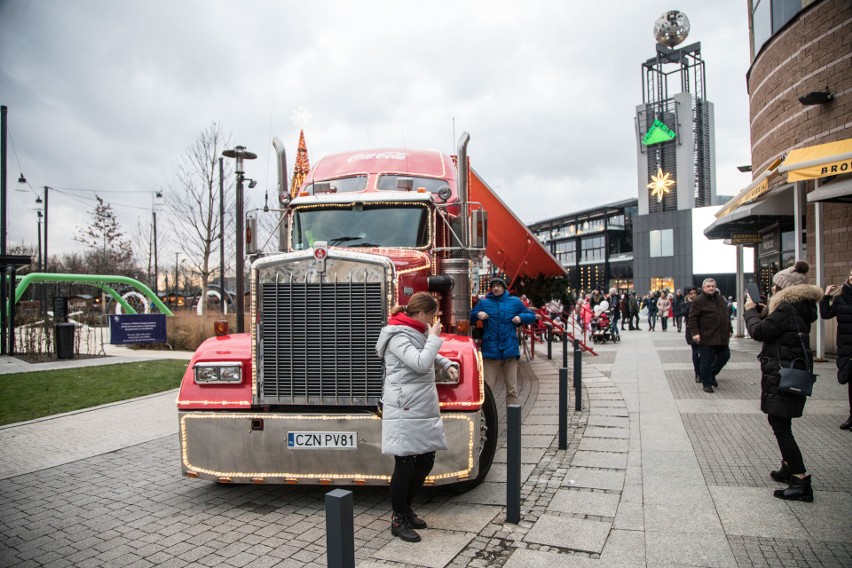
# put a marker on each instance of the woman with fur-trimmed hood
(783, 327)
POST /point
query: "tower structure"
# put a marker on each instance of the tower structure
(675, 157)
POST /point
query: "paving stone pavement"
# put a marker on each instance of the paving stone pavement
(657, 473)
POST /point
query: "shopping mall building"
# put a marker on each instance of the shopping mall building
(799, 204)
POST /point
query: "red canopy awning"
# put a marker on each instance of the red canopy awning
(511, 245)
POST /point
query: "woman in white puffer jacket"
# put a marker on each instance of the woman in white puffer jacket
(412, 430)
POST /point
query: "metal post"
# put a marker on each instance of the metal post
(563, 408)
(340, 533)
(156, 276)
(513, 464)
(240, 154)
(550, 343)
(578, 376)
(819, 257)
(222, 236)
(240, 260)
(565, 347)
(3, 206)
(740, 297)
(3, 314)
(11, 314)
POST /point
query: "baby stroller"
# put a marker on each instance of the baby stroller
(601, 328)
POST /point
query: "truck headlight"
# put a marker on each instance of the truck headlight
(443, 377)
(218, 373)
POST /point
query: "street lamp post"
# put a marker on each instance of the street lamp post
(158, 196)
(240, 154)
(222, 236)
(176, 276)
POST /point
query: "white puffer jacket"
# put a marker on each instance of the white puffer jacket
(411, 417)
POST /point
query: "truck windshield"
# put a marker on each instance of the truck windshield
(390, 182)
(362, 225)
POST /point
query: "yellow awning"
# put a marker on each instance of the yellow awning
(818, 161)
(752, 191)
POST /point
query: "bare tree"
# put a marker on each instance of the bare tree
(109, 250)
(193, 200)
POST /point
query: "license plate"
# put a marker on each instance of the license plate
(322, 440)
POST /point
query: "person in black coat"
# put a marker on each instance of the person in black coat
(677, 309)
(691, 293)
(784, 328)
(841, 308)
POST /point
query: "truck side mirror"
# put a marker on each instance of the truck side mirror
(478, 229)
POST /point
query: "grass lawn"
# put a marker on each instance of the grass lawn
(24, 396)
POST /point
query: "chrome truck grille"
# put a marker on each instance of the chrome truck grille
(316, 331)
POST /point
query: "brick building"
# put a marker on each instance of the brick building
(799, 204)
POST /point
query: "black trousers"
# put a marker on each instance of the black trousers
(790, 453)
(678, 320)
(696, 361)
(712, 359)
(409, 473)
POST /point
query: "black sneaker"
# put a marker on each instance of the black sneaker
(415, 521)
(401, 528)
(708, 388)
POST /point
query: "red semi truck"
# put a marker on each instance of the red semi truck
(296, 400)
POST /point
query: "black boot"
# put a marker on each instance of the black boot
(697, 378)
(799, 490)
(781, 475)
(413, 520)
(401, 528)
(847, 425)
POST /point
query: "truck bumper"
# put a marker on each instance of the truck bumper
(252, 447)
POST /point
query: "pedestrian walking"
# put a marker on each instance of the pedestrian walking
(784, 328)
(677, 309)
(633, 305)
(412, 429)
(691, 293)
(711, 329)
(501, 314)
(837, 302)
(651, 304)
(614, 311)
(623, 305)
(664, 306)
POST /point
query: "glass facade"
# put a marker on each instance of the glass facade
(662, 243)
(594, 246)
(768, 17)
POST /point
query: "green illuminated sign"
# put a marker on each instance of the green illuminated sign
(658, 133)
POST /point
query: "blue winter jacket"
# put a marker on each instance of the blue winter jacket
(499, 340)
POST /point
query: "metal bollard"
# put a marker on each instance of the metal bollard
(340, 533)
(578, 376)
(513, 464)
(565, 348)
(563, 408)
(550, 344)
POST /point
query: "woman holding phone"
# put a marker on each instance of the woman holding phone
(837, 302)
(412, 430)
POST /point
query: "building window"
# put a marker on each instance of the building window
(662, 243)
(768, 17)
(566, 252)
(592, 250)
(662, 284)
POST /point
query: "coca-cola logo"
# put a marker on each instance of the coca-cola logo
(378, 156)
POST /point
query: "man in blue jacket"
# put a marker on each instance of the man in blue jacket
(501, 314)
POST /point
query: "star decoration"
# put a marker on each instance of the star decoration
(300, 117)
(660, 184)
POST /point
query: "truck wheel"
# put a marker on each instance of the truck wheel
(489, 447)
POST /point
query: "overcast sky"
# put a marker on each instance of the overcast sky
(105, 95)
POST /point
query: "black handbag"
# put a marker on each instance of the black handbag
(796, 381)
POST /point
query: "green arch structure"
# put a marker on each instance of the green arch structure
(102, 281)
